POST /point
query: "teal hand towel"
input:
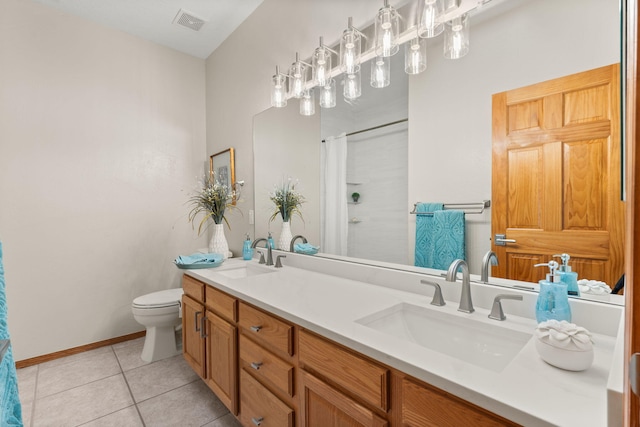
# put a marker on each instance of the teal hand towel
(424, 234)
(10, 407)
(447, 238)
(305, 248)
(198, 258)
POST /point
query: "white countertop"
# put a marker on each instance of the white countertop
(527, 391)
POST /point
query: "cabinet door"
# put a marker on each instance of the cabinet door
(429, 407)
(221, 361)
(193, 348)
(323, 406)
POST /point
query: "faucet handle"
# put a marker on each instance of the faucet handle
(278, 262)
(437, 293)
(261, 258)
(496, 310)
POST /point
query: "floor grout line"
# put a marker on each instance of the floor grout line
(35, 393)
(135, 404)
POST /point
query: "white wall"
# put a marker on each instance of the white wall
(102, 136)
(449, 152)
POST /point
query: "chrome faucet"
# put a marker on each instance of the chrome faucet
(465, 296)
(293, 241)
(489, 257)
(267, 246)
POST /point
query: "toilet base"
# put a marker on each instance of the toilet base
(161, 343)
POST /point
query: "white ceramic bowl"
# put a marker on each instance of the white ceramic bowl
(571, 360)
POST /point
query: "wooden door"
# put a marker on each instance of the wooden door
(556, 176)
(193, 349)
(324, 406)
(221, 360)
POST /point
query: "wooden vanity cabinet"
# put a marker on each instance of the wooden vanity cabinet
(269, 372)
(210, 339)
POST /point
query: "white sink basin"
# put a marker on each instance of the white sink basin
(491, 346)
(246, 270)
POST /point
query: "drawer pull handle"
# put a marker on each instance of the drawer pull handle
(256, 365)
(256, 328)
(257, 421)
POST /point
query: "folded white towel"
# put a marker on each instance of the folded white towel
(565, 335)
(595, 287)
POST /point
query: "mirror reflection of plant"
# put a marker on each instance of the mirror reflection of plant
(212, 200)
(287, 200)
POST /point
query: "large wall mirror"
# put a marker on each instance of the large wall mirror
(443, 152)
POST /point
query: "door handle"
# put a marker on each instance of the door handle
(195, 320)
(501, 240)
(634, 381)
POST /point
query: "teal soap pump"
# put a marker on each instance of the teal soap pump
(553, 302)
(247, 250)
(270, 242)
(567, 276)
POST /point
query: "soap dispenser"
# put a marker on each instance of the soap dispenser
(553, 302)
(270, 242)
(567, 276)
(247, 250)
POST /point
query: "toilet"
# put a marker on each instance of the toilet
(160, 313)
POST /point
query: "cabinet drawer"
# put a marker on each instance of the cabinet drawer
(365, 379)
(259, 405)
(264, 364)
(193, 288)
(266, 329)
(221, 303)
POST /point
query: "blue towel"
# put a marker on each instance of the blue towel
(424, 233)
(198, 259)
(448, 238)
(439, 237)
(305, 248)
(10, 408)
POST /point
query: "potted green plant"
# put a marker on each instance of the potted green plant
(355, 196)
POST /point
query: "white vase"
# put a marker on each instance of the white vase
(218, 243)
(284, 242)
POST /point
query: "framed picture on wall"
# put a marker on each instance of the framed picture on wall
(222, 165)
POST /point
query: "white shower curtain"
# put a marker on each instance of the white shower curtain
(333, 187)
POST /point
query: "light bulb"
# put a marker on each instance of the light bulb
(328, 94)
(431, 24)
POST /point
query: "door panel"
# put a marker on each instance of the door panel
(556, 176)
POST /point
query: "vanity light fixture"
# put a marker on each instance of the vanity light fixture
(308, 103)
(456, 37)
(352, 85)
(350, 48)
(387, 30)
(298, 77)
(415, 55)
(328, 94)
(431, 24)
(279, 89)
(321, 64)
(380, 72)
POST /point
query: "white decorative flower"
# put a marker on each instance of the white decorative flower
(563, 334)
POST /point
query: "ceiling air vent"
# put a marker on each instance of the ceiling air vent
(187, 19)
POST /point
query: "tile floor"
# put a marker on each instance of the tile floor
(112, 386)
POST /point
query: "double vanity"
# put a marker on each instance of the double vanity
(322, 342)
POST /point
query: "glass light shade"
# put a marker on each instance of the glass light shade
(297, 79)
(328, 94)
(321, 62)
(350, 50)
(456, 37)
(387, 29)
(352, 85)
(279, 90)
(415, 56)
(308, 103)
(431, 24)
(380, 72)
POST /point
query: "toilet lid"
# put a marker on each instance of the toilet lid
(166, 298)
